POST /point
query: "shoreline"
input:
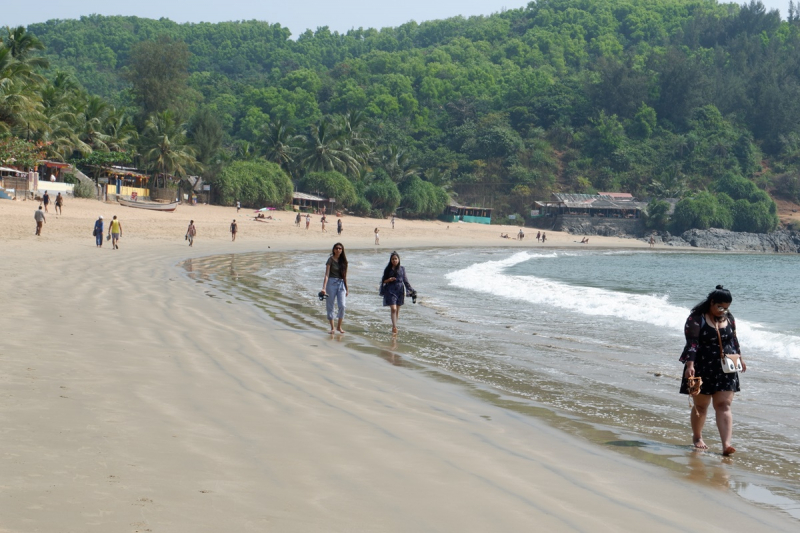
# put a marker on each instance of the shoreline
(135, 400)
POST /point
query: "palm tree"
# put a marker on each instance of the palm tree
(280, 144)
(166, 148)
(19, 104)
(325, 150)
(397, 163)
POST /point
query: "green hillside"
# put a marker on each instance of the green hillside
(661, 98)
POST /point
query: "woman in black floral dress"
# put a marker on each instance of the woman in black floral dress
(701, 358)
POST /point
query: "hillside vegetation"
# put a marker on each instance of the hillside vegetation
(661, 98)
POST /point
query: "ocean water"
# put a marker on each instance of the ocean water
(590, 337)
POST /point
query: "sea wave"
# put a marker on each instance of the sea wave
(655, 309)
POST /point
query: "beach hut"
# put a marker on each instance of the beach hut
(310, 202)
(462, 213)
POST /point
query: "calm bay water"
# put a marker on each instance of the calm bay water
(593, 336)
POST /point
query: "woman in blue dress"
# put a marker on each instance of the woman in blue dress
(393, 287)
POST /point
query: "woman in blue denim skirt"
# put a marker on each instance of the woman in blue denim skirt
(335, 285)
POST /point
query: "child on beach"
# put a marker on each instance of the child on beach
(377, 236)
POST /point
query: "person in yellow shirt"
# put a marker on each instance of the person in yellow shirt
(115, 232)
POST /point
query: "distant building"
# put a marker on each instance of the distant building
(461, 213)
(603, 205)
(301, 200)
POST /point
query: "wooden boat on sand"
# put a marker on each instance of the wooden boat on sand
(152, 206)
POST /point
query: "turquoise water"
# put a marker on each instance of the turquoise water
(593, 336)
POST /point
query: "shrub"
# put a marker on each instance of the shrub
(84, 190)
(330, 184)
(702, 211)
(383, 195)
(754, 217)
(422, 199)
(656, 214)
(254, 183)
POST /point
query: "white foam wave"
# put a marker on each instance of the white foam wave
(655, 309)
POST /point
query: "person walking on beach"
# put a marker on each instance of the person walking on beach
(98, 231)
(238, 205)
(710, 333)
(46, 201)
(297, 220)
(40, 219)
(334, 285)
(308, 220)
(544, 237)
(652, 241)
(322, 220)
(115, 232)
(538, 235)
(520, 235)
(191, 231)
(339, 227)
(377, 236)
(59, 203)
(234, 229)
(392, 220)
(394, 286)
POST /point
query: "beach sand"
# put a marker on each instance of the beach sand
(136, 400)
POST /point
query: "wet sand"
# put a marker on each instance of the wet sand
(136, 400)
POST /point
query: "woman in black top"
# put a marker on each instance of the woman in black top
(335, 285)
(708, 325)
(393, 288)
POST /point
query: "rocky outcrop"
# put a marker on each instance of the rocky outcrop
(781, 241)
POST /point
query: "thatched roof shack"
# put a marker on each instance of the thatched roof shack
(301, 200)
(609, 205)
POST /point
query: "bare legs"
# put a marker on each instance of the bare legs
(722, 407)
(394, 312)
(338, 326)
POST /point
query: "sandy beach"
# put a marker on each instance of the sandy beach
(134, 401)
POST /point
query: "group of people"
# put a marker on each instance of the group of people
(323, 220)
(114, 232)
(59, 203)
(393, 287)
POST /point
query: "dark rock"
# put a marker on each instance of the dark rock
(781, 241)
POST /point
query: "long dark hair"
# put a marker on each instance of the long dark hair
(342, 259)
(390, 269)
(720, 295)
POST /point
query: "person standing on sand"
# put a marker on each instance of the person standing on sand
(392, 220)
(322, 220)
(98, 231)
(308, 220)
(46, 201)
(520, 235)
(191, 231)
(652, 241)
(394, 286)
(40, 219)
(339, 227)
(538, 236)
(710, 333)
(59, 203)
(377, 236)
(115, 232)
(234, 229)
(238, 205)
(544, 237)
(297, 220)
(334, 285)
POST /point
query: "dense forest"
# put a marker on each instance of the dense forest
(687, 99)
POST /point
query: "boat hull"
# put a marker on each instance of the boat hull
(150, 206)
